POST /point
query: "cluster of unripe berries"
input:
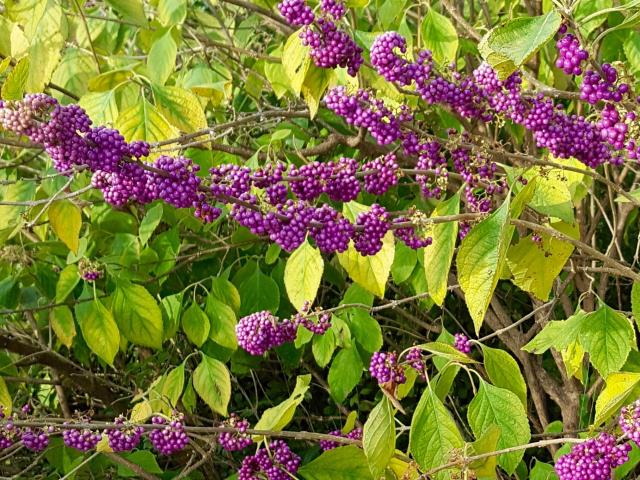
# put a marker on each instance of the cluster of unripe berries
(262, 331)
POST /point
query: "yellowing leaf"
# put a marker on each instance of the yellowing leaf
(212, 382)
(161, 60)
(619, 386)
(141, 412)
(296, 62)
(180, 107)
(99, 329)
(143, 122)
(5, 397)
(278, 417)
(62, 323)
(13, 86)
(302, 275)
(370, 272)
(66, 220)
(315, 83)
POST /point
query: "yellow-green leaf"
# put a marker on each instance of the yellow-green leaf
(618, 389)
(13, 86)
(62, 323)
(5, 397)
(180, 107)
(161, 60)
(278, 417)
(109, 80)
(535, 266)
(138, 315)
(370, 272)
(480, 260)
(66, 220)
(212, 382)
(315, 83)
(141, 411)
(302, 274)
(440, 36)
(438, 255)
(101, 107)
(99, 329)
(131, 10)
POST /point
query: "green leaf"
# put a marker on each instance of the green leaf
(302, 275)
(223, 323)
(614, 395)
(543, 471)
(131, 10)
(438, 255)
(379, 437)
(173, 385)
(434, 435)
(635, 301)
(607, 336)
(66, 221)
(11, 215)
(161, 60)
(342, 463)
(102, 107)
(99, 330)
(74, 71)
(149, 223)
(278, 417)
(138, 315)
(212, 382)
(323, 347)
(446, 351)
(345, 373)
(296, 62)
(440, 36)
(69, 278)
(172, 12)
(366, 330)
(504, 372)
(497, 406)
(404, 262)
(259, 292)
(62, 323)
(557, 334)
(509, 46)
(226, 292)
(109, 80)
(181, 107)
(195, 325)
(144, 459)
(535, 266)
(143, 122)
(481, 258)
(370, 272)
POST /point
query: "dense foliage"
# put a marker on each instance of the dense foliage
(346, 239)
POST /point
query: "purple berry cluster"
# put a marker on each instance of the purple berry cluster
(81, 439)
(364, 110)
(238, 440)
(384, 367)
(277, 462)
(90, 271)
(35, 439)
(375, 225)
(381, 174)
(355, 434)
(261, 331)
(171, 438)
(331, 47)
(415, 360)
(593, 459)
(124, 436)
(596, 86)
(462, 343)
(570, 55)
(332, 232)
(629, 421)
(296, 12)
